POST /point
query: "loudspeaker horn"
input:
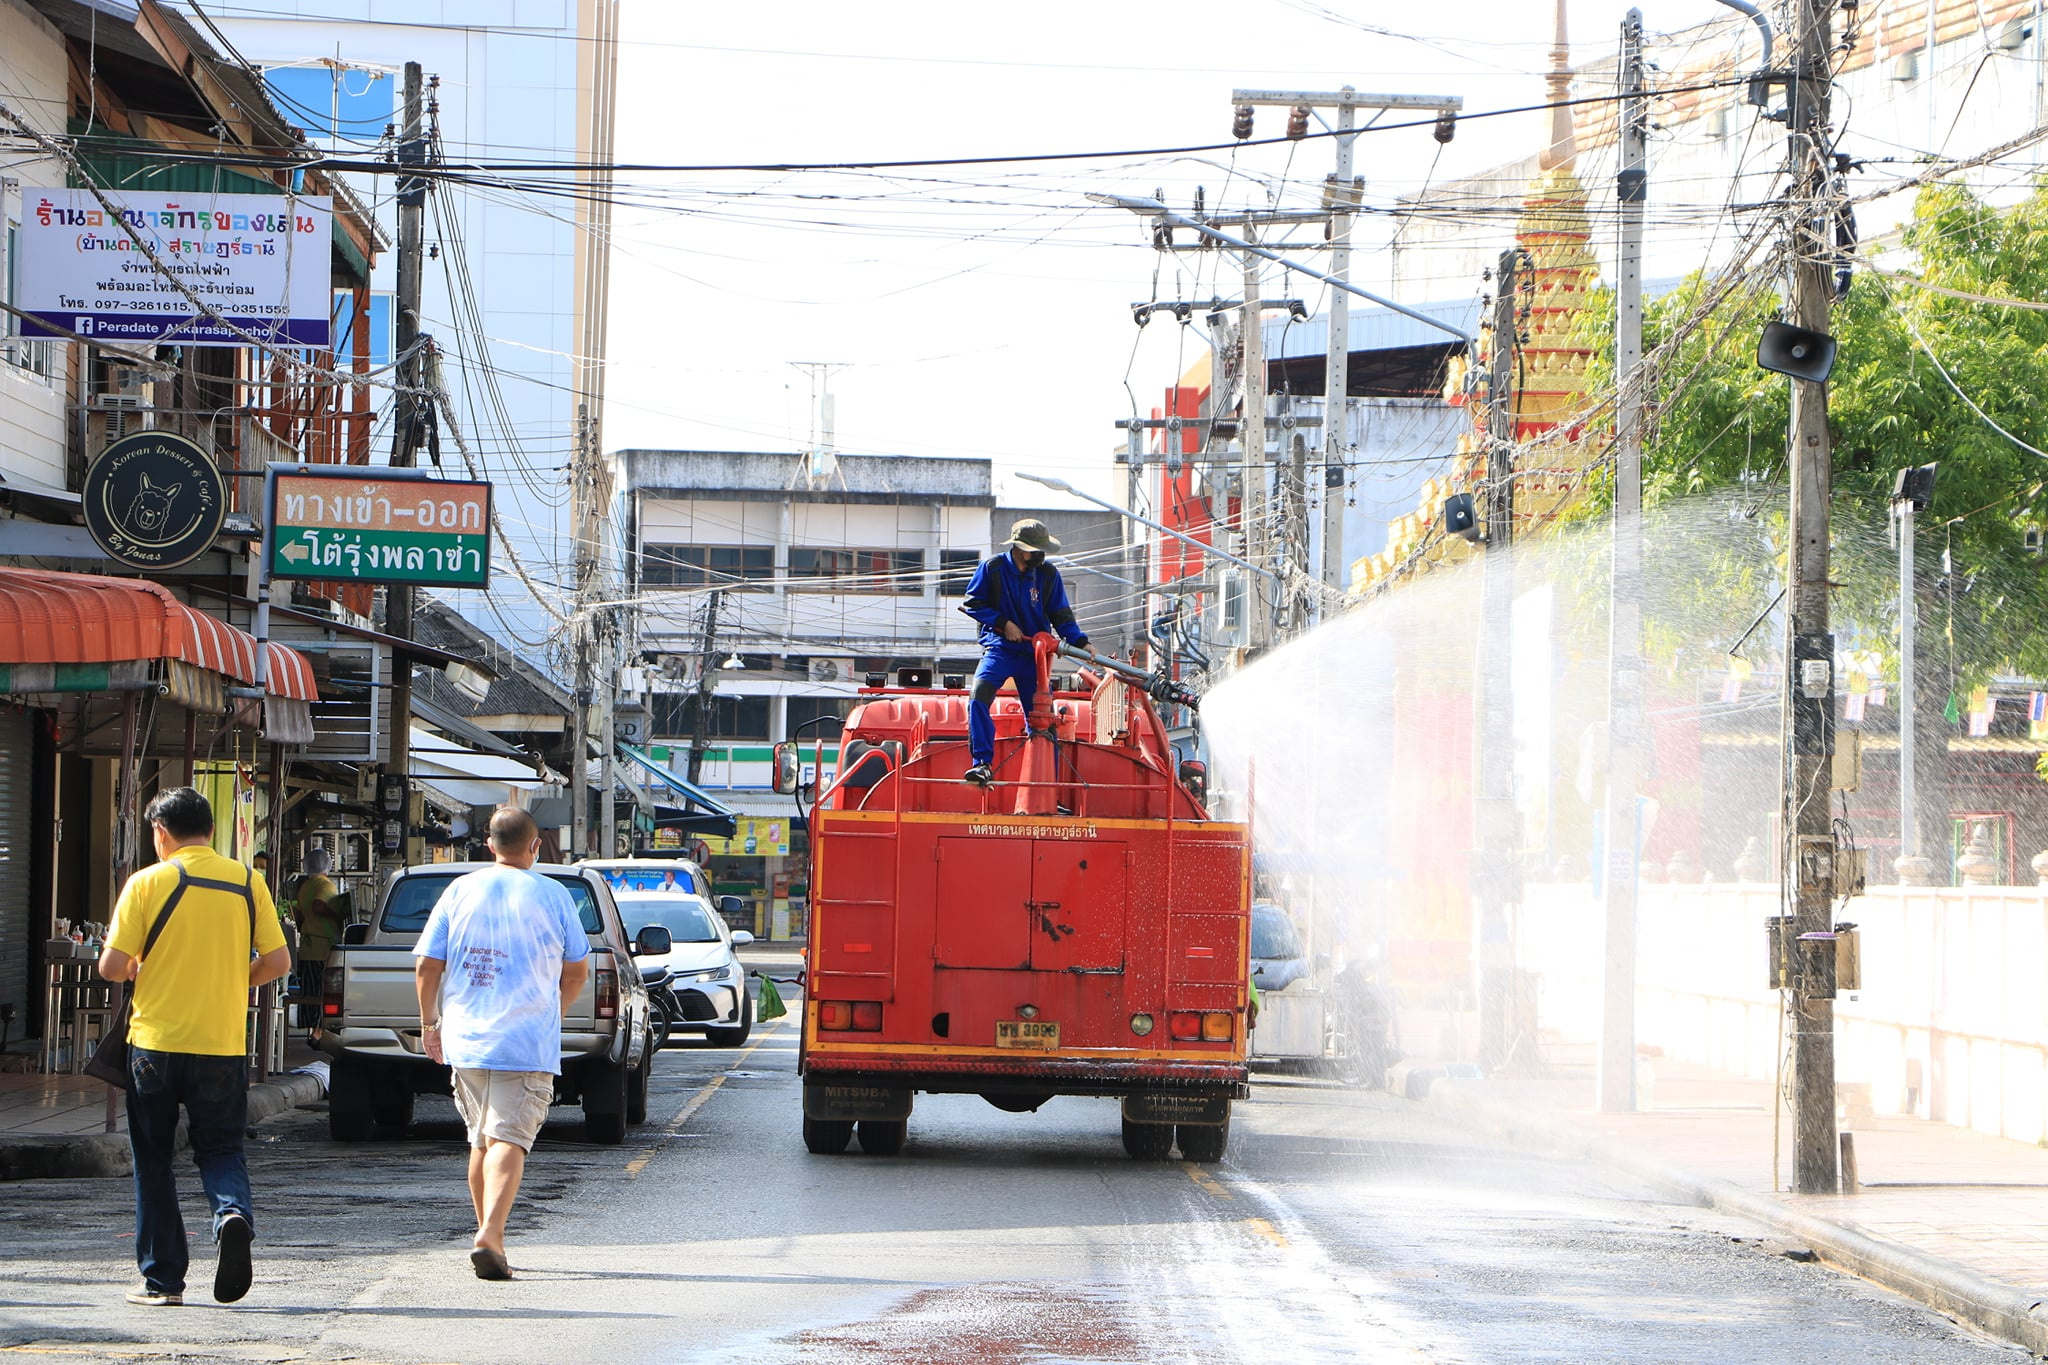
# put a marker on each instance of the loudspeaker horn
(1461, 516)
(1803, 354)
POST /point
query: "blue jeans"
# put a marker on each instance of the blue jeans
(215, 1094)
(998, 666)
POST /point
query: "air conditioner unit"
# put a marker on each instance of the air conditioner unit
(2014, 33)
(1906, 66)
(110, 416)
(831, 670)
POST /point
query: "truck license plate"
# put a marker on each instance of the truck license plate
(1028, 1033)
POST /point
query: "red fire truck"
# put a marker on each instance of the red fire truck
(1078, 927)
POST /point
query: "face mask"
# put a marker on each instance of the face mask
(1033, 558)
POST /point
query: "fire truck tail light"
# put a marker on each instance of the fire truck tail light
(607, 993)
(1217, 1028)
(1184, 1026)
(859, 1016)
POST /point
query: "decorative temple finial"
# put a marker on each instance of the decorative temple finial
(1562, 153)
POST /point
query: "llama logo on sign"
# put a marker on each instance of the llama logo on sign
(153, 500)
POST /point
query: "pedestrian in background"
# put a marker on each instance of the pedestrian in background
(500, 962)
(215, 938)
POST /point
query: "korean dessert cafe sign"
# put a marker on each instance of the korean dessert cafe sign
(260, 264)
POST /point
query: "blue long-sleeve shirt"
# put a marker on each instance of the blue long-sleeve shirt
(1036, 600)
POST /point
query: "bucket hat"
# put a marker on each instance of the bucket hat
(1030, 532)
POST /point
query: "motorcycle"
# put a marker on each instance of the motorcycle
(661, 997)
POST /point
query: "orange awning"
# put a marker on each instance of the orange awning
(75, 618)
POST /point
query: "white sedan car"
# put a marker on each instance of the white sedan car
(707, 985)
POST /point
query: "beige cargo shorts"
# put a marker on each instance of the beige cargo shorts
(508, 1106)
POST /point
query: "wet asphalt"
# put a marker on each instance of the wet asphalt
(1343, 1225)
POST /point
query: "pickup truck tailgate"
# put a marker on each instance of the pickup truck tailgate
(378, 988)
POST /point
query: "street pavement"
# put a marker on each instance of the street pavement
(1345, 1225)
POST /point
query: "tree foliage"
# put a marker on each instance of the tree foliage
(1717, 426)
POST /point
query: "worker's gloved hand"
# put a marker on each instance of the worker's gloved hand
(1079, 642)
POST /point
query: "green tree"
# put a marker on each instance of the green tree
(1717, 429)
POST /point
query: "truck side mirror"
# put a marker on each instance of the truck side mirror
(355, 933)
(786, 769)
(732, 905)
(652, 941)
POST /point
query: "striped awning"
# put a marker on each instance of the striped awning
(73, 618)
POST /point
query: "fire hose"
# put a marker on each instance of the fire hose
(1157, 686)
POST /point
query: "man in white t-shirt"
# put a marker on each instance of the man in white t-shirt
(502, 959)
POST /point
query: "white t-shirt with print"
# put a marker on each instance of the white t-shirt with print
(504, 934)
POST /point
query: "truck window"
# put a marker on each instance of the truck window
(687, 921)
(414, 898)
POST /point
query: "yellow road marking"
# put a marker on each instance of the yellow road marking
(675, 1125)
(1267, 1231)
(1207, 1182)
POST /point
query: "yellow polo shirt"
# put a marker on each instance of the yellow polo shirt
(192, 992)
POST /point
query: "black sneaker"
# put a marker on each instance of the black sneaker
(232, 1273)
(977, 776)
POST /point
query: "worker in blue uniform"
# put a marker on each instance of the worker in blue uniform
(1013, 596)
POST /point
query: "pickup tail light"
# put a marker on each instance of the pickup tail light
(607, 993)
(330, 992)
(856, 1016)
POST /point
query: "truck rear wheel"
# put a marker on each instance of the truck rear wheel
(605, 1088)
(391, 1110)
(1147, 1141)
(826, 1137)
(349, 1104)
(1204, 1142)
(883, 1137)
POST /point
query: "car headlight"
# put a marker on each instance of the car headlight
(708, 974)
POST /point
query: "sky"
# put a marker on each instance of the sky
(985, 310)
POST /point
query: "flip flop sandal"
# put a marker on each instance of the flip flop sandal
(489, 1264)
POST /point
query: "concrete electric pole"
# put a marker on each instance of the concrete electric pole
(1616, 1069)
(707, 684)
(1809, 645)
(406, 420)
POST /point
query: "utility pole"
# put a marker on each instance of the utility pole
(592, 688)
(1343, 194)
(1617, 1069)
(1251, 502)
(1809, 646)
(707, 681)
(1496, 873)
(406, 417)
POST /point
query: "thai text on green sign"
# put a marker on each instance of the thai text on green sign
(357, 527)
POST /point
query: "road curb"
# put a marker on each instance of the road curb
(105, 1155)
(2001, 1309)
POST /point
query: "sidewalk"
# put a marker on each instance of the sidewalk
(56, 1125)
(1950, 1217)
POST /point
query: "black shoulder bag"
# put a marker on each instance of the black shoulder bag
(109, 1060)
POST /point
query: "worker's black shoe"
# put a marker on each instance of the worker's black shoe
(978, 775)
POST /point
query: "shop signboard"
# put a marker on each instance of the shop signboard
(176, 267)
(754, 837)
(348, 524)
(153, 500)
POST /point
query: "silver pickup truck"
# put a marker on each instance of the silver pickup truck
(370, 1018)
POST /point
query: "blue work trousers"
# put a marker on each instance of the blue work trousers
(1002, 663)
(215, 1094)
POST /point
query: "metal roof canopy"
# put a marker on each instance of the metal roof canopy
(696, 795)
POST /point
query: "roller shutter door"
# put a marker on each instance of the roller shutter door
(17, 773)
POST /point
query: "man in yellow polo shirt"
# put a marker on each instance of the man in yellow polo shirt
(187, 1041)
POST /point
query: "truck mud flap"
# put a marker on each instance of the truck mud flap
(855, 1103)
(1172, 1106)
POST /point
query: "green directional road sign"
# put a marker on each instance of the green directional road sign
(354, 525)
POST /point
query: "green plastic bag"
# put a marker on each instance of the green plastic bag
(771, 1006)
